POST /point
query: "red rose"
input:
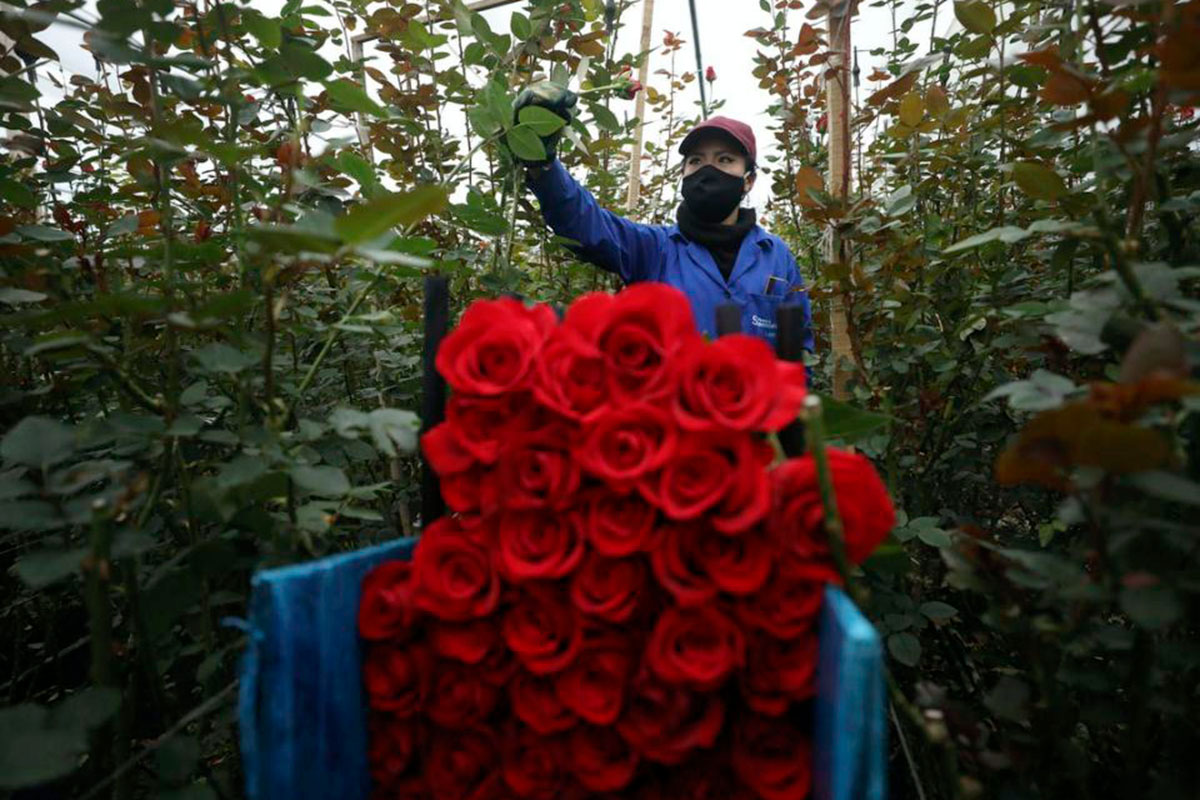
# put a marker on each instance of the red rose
(482, 425)
(736, 564)
(594, 686)
(677, 566)
(387, 609)
(458, 696)
(538, 544)
(666, 723)
(862, 503)
(631, 89)
(773, 757)
(543, 630)
(570, 378)
(736, 383)
(710, 74)
(619, 524)
(748, 501)
(455, 577)
(537, 471)
(779, 671)
(392, 744)
(534, 766)
(468, 642)
(627, 443)
(698, 647)
(444, 448)
(609, 588)
(787, 605)
(467, 485)
(470, 492)
(707, 776)
(638, 333)
(600, 759)
(494, 347)
(535, 702)
(463, 765)
(397, 678)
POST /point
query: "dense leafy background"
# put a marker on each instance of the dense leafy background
(210, 293)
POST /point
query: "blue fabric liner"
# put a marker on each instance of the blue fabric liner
(850, 730)
(302, 710)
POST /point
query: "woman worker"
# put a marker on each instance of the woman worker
(715, 254)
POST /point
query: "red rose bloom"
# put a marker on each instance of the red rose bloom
(571, 380)
(677, 565)
(748, 500)
(736, 564)
(482, 425)
(600, 759)
(734, 383)
(609, 588)
(626, 443)
(537, 471)
(773, 757)
(779, 671)
(494, 347)
(594, 686)
(666, 723)
(787, 605)
(722, 471)
(538, 544)
(619, 524)
(543, 630)
(444, 448)
(468, 642)
(862, 502)
(463, 765)
(535, 702)
(698, 647)
(391, 747)
(638, 333)
(458, 696)
(397, 678)
(534, 766)
(455, 577)
(387, 609)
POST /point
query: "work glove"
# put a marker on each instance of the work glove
(550, 96)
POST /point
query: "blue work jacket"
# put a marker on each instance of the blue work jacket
(662, 253)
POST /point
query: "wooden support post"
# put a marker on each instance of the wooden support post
(635, 159)
(433, 389)
(837, 95)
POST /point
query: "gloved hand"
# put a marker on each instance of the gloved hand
(550, 96)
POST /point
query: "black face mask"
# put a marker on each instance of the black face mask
(711, 194)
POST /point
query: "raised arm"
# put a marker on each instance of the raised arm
(608, 240)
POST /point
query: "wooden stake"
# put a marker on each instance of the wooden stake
(837, 93)
(635, 159)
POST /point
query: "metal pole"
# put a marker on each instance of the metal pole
(433, 389)
(635, 160)
(837, 91)
(699, 60)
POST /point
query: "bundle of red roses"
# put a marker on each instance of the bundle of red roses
(622, 603)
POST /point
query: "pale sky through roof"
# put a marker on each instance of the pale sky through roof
(724, 46)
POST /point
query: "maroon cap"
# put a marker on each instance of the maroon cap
(740, 131)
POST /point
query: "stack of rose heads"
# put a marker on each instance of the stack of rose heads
(623, 602)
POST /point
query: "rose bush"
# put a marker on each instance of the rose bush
(625, 601)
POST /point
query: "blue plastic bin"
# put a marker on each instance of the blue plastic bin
(302, 712)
